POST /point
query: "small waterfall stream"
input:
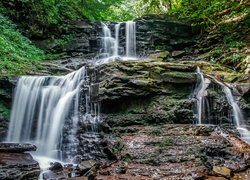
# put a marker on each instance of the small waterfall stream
(236, 113)
(130, 39)
(200, 95)
(110, 44)
(238, 117)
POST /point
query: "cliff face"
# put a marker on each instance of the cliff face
(82, 41)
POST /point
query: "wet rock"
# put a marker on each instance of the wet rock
(110, 155)
(18, 166)
(173, 151)
(140, 78)
(163, 33)
(77, 159)
(178, 53)
(162, 55)
(224, 171)
(56, 166)
(47, 175)
(16, 147)
(121, 170)
(84, 166)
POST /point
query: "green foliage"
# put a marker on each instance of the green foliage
(166, 142)
(155, 132)
(236, 57)
(118, 147)
(45, 16)
(237, 44)
(4, 110)
(17, 54)
(126, 158)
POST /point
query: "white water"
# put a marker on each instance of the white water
(111, 49)
(40, 108)
(130, 39)
(201, 93)
(108, 42)
(236, 111)
(117, 31)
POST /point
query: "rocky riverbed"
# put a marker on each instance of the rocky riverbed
(176, 151)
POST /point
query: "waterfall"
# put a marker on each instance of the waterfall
(108, 42)
(130, 39)
(238, 117)
(202, 107)
(41, 108)
(117, 30)
(200, 95)
(110, 45)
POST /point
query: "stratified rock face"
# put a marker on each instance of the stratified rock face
(141, 78)
(16, 148)
(155, 32)
(138, 92)
(15, 164)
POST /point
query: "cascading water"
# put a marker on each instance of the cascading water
(130, 39)
(41, 108)
(110, 46)
(238, 117)
(200, 96)
(108, 42)
(117, 30)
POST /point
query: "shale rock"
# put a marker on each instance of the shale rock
(141, 78)
(224, 171)
(175, 151)
(138, 92)
(18, 166)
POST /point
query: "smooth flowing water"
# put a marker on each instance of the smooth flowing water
(201, 93)
(41, 107)
(110, 44)
(117, 32)
(238, 117)
(130, 39)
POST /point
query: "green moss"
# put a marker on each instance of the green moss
(126, 158)
(4, 110)
(166, 142)
(155, 132)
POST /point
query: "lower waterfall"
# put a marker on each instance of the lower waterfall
(44, 105)
(202, 106)
(238, 117)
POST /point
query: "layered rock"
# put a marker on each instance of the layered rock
(15, 163)
(144, 91)
(176, 152)
(156, 32)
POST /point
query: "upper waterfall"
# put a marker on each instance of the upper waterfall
(130, 39)
(111, 48)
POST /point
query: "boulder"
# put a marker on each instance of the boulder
(224, 171)
(178, 53)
